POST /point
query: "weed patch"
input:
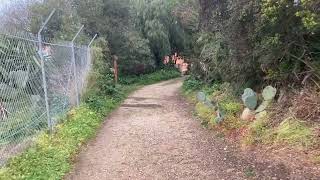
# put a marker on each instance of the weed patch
(206, 114)
(258, 132)
(295, 133)
(250, 172)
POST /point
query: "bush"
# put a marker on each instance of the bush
(144, 79)
(136, 57)
(231, 109)
(192, 84)
(101, 79)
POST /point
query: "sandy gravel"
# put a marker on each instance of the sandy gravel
(154, 135)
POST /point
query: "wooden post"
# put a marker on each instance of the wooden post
(115, 66)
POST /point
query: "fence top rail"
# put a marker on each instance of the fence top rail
(68, 44)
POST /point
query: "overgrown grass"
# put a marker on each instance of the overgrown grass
(51, 156)
(294, 132)
(290, 132)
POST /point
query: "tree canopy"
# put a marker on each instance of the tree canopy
(242, 42)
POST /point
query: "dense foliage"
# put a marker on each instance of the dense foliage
(243, 43)
(248, 43)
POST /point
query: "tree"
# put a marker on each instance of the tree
(152, 19)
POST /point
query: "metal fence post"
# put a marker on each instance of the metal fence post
(95, 36)
(44, 81)
(75, 67)
(89, 49)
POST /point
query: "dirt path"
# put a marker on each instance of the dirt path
(153, 135)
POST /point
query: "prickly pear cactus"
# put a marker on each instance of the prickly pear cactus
(208, 103)
(261, 115)
(263, 106)
(201, 96)
(269, 93)
(250, 99)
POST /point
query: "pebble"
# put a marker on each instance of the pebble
(230, 170)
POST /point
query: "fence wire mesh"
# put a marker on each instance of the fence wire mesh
(23, 113)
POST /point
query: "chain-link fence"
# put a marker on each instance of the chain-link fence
(39, 83)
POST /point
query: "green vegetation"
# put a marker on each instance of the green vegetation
(206, 114)
(51, 156)
(258, 132)
(290, 131)
(144, 79)
(192, 84)
(249, 172)
(254, 44)
(232, 45)
(224, 101)
(140, 33)
(294, 132)
(266, 41)
(230, 107)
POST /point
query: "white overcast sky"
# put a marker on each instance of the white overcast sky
(10, 4)
(2, 4)
(6, 4)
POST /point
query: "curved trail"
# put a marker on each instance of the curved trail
(153, 135)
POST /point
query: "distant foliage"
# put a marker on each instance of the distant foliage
(140, 33)
(136, 57)
(152, 18)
